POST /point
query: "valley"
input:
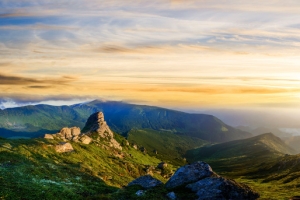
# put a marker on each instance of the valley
(100, 163)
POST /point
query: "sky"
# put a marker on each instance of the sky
(185, 54)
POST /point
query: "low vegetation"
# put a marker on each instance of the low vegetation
(165, 145)
(31, 169)
(261, 162)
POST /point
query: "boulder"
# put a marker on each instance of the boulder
(189, 174)
(221, 188)
(49, 136)
(64, 147)
(171, 196)
(146, 182)
(69, 133)
(162, 165)
(66, 133)
(75, 131)
(140, 193)
(86, 139)
(143, 149)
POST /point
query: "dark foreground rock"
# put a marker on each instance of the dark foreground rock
(146, 182)
(189, 174)
(221, 188)
(196, 181)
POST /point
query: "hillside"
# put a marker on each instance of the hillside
(32, 121)
(261, 130)
(240, 152)
(294, 142)
(72, 164)
(263, 162)
(164, 145)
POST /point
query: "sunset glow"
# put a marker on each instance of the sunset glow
(185, 54)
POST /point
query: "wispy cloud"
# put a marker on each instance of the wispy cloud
(212, 50)
(18, 80)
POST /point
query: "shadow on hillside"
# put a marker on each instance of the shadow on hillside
(6, 133)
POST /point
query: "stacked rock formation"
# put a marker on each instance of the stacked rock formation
(97, 124)
(70, 134)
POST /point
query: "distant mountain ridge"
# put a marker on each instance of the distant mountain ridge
(121, 117)
(261, 147)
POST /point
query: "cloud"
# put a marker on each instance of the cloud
(19, 80)
(31, 11)
(195, 48)
(114, 49)
(5, 64)
(17, 100)
(43, 27)
(40, 86)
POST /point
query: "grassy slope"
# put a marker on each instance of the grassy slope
(31, 169)
(121, 117)
(264, 147)
(24, 121)
(169, 146)
(275, 179)
(259, 162)
(294, 142)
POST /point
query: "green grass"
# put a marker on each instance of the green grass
(169, 146)
(260, 162)
(31, 169)
(271, 190)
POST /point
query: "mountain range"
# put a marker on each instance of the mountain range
(34, 121)
(93, 162)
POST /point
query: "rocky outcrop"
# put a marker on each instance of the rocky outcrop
(162, 165)
(64, 147)
(49, 136)
(199, 182)
(221, 188)
(171, 196)
(71, 134)
(85, 139)
(189, 174)
(143, 150)
(140, 193)
(146, 182)
(97, 124)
